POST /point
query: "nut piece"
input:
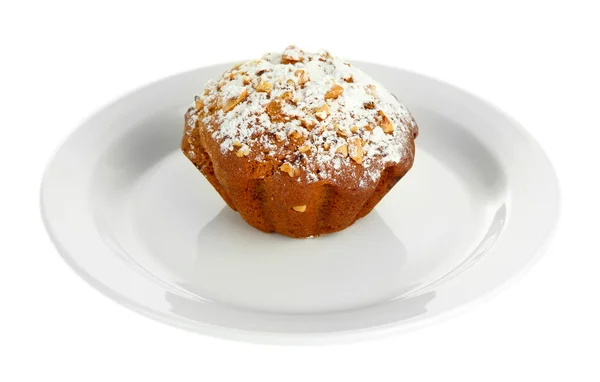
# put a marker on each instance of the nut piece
(308, 124)
(291, 55)
(246, 80)
(335, 91)
(324, 55)
(302, 77)
(354, 129)
(299, 208)
(264, 87)
(303, 149)
(274, 111)
(233, 72)
(319, 130)
(322, 112)
(237, 143)
(291, 171)
(326, 146)
(198, 103)
(294, 134)
(343, 149)
(243, 151)
(290, 59)
(355, 149)
(341, 132)
(286, 96)
(231, 103)
(385, 123)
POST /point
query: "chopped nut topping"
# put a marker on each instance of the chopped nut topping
(341, 132)
(308, 124)
(286, 96)
(355, 149)
(230, 104)
(322, 112)
(324, 56)
(302, 77)
(319, 130)
(274, 111)
(304, 148)
(264, 87)
(291, 170)
(369, 105)
(343, 149)
(299, 208)
(290, 59)
(270, 110)
(384, 122)
(243, 151)
(335, 91)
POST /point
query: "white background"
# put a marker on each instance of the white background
(63, 60)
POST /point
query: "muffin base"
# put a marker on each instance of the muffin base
(265, 197)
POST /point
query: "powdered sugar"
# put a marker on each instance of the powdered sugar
(316, 112)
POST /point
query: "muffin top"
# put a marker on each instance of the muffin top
(310, 115)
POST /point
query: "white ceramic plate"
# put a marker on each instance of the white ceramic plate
(136, 220)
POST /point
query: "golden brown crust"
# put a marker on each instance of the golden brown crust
(268, 202)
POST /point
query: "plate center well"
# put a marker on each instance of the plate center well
(168, 220)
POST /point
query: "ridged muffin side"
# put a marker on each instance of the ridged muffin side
(272, 201)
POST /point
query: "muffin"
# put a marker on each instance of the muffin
(299, 143)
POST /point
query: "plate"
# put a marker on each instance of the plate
(133, 217)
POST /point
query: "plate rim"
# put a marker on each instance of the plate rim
(305, 338)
